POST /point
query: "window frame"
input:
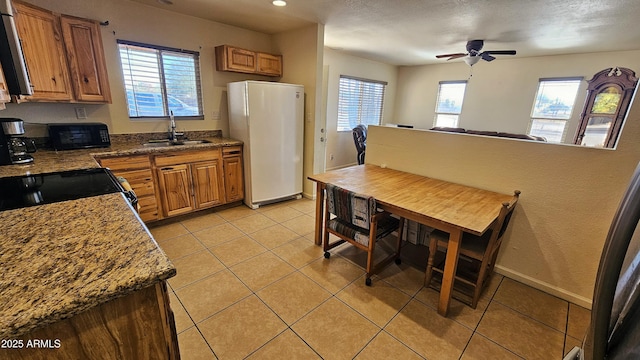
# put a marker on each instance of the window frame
(532, 118)
(340, 127)
(457, 115)
(166, 98)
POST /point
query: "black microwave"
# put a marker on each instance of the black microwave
(78, 136)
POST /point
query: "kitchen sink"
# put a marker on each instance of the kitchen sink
(162, 143)
(193, 142)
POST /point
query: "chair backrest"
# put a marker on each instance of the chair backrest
(349, 206)
(360, 139)
(505, 215)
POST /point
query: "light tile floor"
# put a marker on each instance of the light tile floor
(251, 284)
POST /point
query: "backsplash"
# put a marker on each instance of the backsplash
(144, 137)
(42, 142)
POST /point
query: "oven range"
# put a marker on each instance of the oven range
(31, 190)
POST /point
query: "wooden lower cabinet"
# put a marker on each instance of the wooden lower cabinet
(175, 187)
(178, 182)
(139, 325)
(207, 184)
(190, 181)
(233, 173)
(137, 171)
(141, 182)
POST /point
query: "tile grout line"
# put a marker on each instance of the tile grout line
(333, 295)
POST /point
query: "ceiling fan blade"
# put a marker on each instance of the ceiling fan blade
(453, 56)
(487, 57)
(500, 52)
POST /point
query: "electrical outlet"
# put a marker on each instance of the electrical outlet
(81, 113)
(331, 157)
(216, 115)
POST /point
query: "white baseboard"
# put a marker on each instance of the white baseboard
(542, 286)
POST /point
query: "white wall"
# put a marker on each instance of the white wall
(137, 22)
(500, 94)
(340, 144)
(569, 195)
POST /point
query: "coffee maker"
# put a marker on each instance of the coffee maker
(14, 148)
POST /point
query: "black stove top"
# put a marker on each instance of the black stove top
(30, 190)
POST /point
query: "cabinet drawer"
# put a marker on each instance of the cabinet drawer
(148, 208)
(126, 162)
(231, 151)
(186, 157)
(141, 181)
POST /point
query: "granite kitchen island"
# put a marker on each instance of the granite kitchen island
(83, 279)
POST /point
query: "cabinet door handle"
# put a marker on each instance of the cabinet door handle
(167, 168)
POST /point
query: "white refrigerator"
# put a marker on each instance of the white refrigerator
(269, 118)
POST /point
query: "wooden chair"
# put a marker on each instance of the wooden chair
(357, 221)
(477, 255)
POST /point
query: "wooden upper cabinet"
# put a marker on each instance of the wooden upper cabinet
(231, 58)
(86, 59)
(268, 64)
(44, 53)
(64, 56)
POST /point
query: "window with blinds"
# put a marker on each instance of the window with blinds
(360, 101)
(449, 103)
(160, 80)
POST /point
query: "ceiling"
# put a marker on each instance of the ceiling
(412, 32)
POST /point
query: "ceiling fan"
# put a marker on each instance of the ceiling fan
(473, 54)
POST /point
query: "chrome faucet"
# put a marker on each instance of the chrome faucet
(173, 134)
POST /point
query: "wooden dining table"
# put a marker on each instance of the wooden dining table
(442, 205)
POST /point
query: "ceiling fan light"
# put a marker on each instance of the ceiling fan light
(279, 3)
(471, 60)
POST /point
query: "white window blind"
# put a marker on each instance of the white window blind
(360, 101)
(159, 80)
(449, 103)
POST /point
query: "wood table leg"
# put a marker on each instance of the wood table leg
(319, 212)
(450, 265)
